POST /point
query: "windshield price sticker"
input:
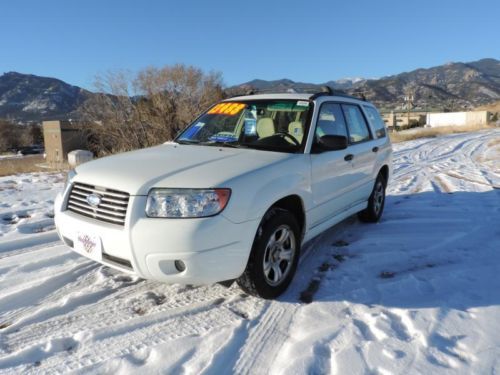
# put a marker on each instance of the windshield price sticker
(230, 109)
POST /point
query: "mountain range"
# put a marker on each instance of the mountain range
(453, 86)
(31, 98)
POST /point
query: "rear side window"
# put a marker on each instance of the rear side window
(356, 123)
(331, 121)
(376, 121)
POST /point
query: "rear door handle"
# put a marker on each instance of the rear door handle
(375, 149)
(348, 157)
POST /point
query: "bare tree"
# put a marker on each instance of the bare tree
(151, 107)
(6, 135)
(13, 136)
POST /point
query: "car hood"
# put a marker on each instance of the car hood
(174, 166)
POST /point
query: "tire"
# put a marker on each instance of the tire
(376, 202)
(274, 256)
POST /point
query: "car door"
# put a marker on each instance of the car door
(331, 173)
(361, 152)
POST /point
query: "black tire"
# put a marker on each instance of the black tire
(376, 202)
(256, 280)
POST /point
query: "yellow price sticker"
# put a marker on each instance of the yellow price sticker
(229, 108)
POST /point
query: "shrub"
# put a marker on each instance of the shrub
(148, 108)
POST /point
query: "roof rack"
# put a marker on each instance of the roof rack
(286, 90)
(328, 91)
(325, 91)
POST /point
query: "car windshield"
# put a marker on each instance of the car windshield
(275, 125)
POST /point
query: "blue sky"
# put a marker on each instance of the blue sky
(312, 41)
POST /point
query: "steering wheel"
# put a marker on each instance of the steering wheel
(289, 136)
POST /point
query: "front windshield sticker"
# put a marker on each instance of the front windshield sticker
(230, 109)
(192, 131)
(303, 103)
(287, 107)
(223, 137)
(250, 126)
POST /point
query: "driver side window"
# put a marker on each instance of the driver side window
(330, 121)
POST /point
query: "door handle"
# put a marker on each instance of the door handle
(375, 149)
(348, 157)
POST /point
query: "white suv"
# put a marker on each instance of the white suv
(235, 195)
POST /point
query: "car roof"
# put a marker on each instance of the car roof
(296, 96)
(290, 96)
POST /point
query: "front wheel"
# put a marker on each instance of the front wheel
(274, 256)
(376, 202)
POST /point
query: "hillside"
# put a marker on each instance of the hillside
(492, 107)
(26, 97)
(451, 86)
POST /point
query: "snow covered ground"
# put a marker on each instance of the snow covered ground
(418, 293)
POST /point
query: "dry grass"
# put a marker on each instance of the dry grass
(408, 135)
(25, 164)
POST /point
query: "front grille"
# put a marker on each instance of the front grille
(111, 209)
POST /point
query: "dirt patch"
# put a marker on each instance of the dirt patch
(339, 257)
(307, 295)
(433, 132)
(387, 274)
(340, 243)
(460, 177)
(494, 142)
(443, 185)
(24, 164)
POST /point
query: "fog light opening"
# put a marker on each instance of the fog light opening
(180, 266)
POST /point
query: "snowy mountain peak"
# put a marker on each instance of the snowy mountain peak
(27, 97)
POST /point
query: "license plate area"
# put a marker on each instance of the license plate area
(89, 245)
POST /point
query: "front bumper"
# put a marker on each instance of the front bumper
(212, 249)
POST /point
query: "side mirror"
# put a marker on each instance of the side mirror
(331, 143)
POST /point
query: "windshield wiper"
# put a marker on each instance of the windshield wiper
(223, 144)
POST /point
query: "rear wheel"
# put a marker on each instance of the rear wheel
(376, 202)
(274, 255)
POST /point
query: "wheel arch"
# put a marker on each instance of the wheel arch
(294, 204)
(384, 171)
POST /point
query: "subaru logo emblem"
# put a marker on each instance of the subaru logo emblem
(94, 200)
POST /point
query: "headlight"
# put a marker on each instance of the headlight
(69, 177)
(184, 203)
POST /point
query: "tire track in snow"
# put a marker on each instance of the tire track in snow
(265, 338)
(269, 333)
(95, 318)
(436, 154)
(126, 337)
(110, 308)
(29, 244)
(109, 347)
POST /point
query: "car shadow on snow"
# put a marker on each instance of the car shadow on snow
(430, 249)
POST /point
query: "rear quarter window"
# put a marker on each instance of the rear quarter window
(356, 124)
(375, 121)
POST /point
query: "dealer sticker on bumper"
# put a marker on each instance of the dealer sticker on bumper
(88, 245)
